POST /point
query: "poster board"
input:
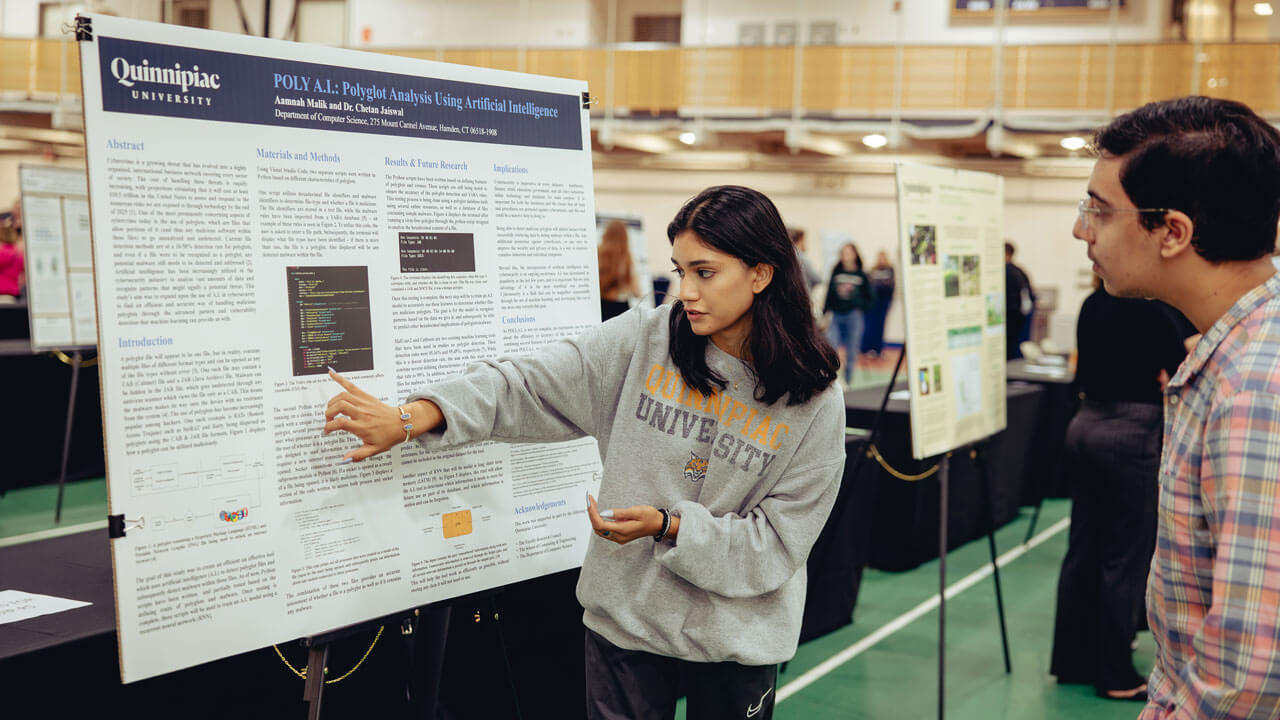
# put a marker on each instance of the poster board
(950, 229)
(59, 258)
(262, 210)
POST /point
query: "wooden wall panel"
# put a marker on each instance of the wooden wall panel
(16, 56)
(836, 80)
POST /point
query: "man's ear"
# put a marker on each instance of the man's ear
(1180, 232)
(761, 276)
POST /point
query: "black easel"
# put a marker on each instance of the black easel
(944, 482)
(318, 654)
(76, 361)
(977, 453)
(1035, 518)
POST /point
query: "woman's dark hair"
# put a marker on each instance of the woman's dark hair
(788, 355)
(1214, 160)
(857, 256)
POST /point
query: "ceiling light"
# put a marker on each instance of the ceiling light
(688, 138)
(826, 146)
(875, 140)
(1072, 143)
(1262, 9)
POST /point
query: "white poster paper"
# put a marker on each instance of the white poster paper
(18, 605)
(262, 210)
(951, 236)
(55, 218)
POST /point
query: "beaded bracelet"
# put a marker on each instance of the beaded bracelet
(407, 426)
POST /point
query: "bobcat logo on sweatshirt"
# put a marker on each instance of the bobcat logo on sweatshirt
(696, 468)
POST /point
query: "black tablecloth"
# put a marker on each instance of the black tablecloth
(14, 320)
(1044, 472)
(76, 567)
(840, 553)
(36, 389)
(904, 526)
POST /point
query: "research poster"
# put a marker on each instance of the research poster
(59, 268)
(950, 227)
(262, 210)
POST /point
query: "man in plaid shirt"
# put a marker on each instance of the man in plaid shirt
(1183, 204)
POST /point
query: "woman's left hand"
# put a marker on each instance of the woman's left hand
(627, 524)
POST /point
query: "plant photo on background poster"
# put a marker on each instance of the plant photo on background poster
(960, 276)
(924, 245)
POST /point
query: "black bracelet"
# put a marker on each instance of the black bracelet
(666, 525)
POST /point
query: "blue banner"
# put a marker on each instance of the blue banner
(171, 81)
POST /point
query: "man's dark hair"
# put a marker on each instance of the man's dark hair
(1214, 160)
(788, 354)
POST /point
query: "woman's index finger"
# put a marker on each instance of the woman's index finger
(345, 383)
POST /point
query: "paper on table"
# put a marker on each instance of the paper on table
(17, 605)
(1045, 370)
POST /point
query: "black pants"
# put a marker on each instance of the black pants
(632, 685)
(1113, 451)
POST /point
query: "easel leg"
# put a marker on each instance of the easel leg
(981, 464)
(317, 659)
(944, 480)
(76, 359)
(1035, 518)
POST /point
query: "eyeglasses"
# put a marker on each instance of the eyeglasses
(1087, 211)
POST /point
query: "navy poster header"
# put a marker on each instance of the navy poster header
(155, 79)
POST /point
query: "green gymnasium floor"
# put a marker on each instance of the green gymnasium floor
(896, 677)
(27, 514)
(891, 666)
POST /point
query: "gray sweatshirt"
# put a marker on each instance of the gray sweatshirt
(752, 483)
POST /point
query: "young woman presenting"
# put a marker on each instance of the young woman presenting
(721, 431)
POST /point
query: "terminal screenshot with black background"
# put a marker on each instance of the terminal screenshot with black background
(329, 319)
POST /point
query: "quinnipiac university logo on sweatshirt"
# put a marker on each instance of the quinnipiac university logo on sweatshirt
(737, 433)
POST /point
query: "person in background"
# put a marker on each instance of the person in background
(1019, 304)
(694, 580)
(1127, 350)
(882, 287)
(12, 263)
(811, 276)
(618, 282)
(849, 297)
(1182, 206)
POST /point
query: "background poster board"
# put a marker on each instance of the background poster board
(55, 211)
(262, 210)
(950, 229)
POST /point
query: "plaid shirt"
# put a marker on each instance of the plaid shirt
(1213, 598)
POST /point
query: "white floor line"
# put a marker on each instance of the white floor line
(913, 614)
(52, 533)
